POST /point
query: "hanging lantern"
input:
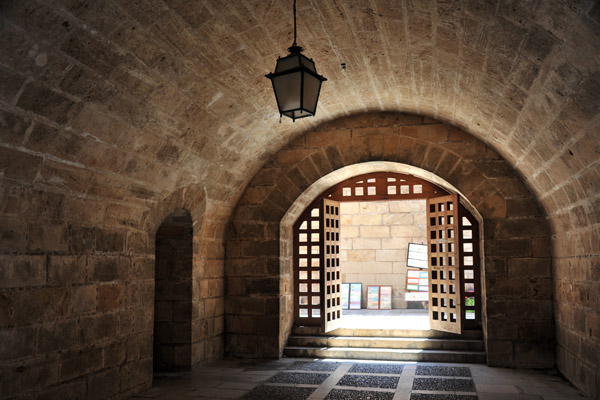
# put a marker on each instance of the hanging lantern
(296, 82)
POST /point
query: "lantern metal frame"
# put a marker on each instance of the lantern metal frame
(303, 66)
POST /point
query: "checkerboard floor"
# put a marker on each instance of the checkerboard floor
(301, 379)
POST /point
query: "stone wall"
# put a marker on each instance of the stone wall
(77, 291)
(518, 308)
(374, 243)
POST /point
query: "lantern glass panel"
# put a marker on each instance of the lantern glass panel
(287, 89)
(312, 85)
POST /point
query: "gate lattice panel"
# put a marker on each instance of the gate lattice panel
(332, 280)
(444, 271)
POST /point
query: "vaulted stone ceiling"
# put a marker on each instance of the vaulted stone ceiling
(150, 95)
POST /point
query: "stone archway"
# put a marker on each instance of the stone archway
(298, 212)
(519, 309)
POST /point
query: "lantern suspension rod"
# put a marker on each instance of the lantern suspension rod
(294, 23)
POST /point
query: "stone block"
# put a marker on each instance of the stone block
(22, 271)
(13, 234)
(500, 353)
(83, 299)
(64, 270)
(38, 305)
(529, 267)
(535, 354)
(97, 327)
(5, 309)
(394, 244)
(349, 208)
(33, 374)
(16, 343)
(57, 336)
(408, 231)
(353, 268)
(47, 103)
(104, 268)
(114, 354)
(361, 255)
(43, 237)
(502, 329)
(67, 391)
(508, 247)
(261, 286)
(19, 165)
(407, 206)
(142, 267)
(365, 219)
(430, 133)
(496, 266)
(137, 374)
(398, 219)
(592, 325)
(82, 239)
(374, 207)
(110, 297)
(12, 127)
(366, 243)
(502, 287)
(109, 241)
(530, 309)
(390, 255)
(375, 231)
(103, 385)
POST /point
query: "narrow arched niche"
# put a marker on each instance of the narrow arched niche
(173, 293)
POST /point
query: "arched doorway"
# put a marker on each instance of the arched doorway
(173, 293)
(451, 262)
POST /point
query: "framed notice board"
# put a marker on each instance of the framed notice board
(385, 297)
(355, 296)
(373, 297)
(345, 296)
(417, 280)
(417, 256)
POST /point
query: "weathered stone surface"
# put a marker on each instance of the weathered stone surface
(118, 108)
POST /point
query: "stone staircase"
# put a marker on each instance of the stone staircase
(387, 344)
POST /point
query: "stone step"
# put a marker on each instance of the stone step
(387, 342)
(357, 353)
(403, 333)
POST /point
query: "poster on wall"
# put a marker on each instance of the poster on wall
(417, 280)
(417, 256)
(355, 296)
(373, 297)
(416, 296)
(385, 297)
(345, 296)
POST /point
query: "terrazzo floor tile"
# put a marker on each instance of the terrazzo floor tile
(444, 384)
(268, 392)
(377, 368)
(343, 394)
(427, 396)
(430, 370)
(313, 366)
(371, 381)
(302, 378)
